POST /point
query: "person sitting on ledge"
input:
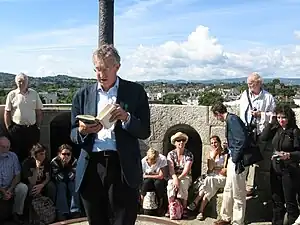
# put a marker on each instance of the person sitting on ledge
(12, 192)
(216, 176)
(36, 173)
(153, 165)
(180, 162)
(63, 168)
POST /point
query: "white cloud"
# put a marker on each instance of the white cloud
(200, 56)
(297, 33)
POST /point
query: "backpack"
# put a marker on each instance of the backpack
(175, 210)
(44, 209)
(150, 204)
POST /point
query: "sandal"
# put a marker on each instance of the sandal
(167, 214)
(200, 217)
(192, 206)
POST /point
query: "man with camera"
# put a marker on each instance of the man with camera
(256, 109)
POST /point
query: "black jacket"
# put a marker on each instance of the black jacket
(61, 172)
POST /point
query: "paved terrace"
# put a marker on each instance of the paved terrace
(148, 220)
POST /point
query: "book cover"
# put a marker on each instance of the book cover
(103, 117)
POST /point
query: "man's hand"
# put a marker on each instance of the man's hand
(118, 114)
(256, 114)
(7, 195)
(37, 189)
(89, 128)
(285, 155)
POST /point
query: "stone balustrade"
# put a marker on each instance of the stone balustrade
(163, 118)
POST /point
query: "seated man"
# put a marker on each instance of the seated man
(10, 185)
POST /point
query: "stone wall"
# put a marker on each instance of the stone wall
(162, 118)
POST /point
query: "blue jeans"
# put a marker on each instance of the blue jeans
(65, 189)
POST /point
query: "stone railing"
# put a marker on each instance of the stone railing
(163, 118)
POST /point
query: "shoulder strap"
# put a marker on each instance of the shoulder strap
(248, 97)
(251, 107)
(225, 161)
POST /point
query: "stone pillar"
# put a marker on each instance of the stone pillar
(106, 22)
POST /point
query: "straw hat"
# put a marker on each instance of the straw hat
(178, 136)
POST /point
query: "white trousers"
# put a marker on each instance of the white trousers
(297, 222)
(21, 191)
(234, 196)
(211, 184)
(183, 191)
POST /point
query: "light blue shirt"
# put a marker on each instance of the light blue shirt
(105, 138)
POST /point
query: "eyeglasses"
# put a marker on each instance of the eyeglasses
(67, 154)
(180, 140)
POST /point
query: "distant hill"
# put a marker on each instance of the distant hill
(292, 81)
(7, 78)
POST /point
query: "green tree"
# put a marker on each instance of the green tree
(209, 98)
(275, 81)
(172, 99)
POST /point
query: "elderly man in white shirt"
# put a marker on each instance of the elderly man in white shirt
(23, 117)
(261, 109)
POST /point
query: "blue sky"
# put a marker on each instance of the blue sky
(157, 39)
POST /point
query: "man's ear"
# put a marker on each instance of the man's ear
(118, 67)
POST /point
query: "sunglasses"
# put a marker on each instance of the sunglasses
(179, 140)
(68, 154)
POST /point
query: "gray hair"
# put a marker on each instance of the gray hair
(4, 138)
(21, 75)
(256, 77)
(107, 51)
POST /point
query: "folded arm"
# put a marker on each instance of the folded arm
(56, 171)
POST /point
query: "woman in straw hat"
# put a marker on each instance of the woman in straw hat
(180, 163)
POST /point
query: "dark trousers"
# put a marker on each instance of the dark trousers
(106, 197)
(23, 138)
(284, 188)
(156, 185)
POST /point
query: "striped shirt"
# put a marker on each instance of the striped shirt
(60, 172)
(9, 168)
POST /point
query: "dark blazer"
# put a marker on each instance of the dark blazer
(133, 98)
(236, 134)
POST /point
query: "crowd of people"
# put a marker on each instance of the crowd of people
(110, 181)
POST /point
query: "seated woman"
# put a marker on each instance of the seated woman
(216, 176)
(180, 162)
(153, 165)
(63, 168)
(36, 173)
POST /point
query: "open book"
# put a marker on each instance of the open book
(103, 117)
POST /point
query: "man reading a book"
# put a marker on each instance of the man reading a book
(109, 170)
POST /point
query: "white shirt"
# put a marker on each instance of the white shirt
(160, 163)
(106, 139)
(23, 106)
(263, 102)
